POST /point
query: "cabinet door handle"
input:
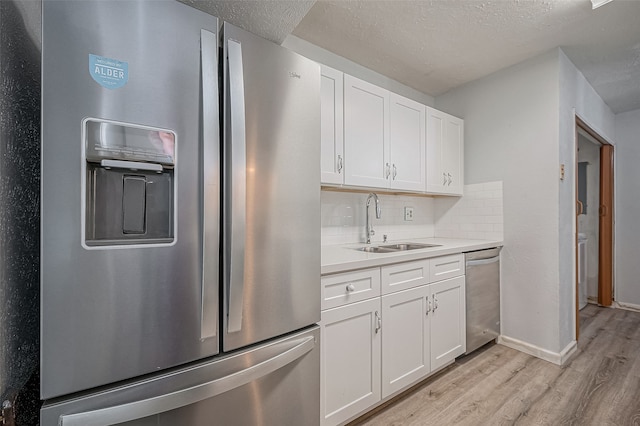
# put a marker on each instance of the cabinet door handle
(350, 288)
(428, 305)
(340, 165)
(387, 171)
(449, 175)
(378, 322)
(435, 303)
(444, 176)
(395, 172)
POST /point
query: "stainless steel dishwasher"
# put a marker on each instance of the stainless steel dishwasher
(482, 297)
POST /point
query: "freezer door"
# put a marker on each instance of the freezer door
(272, 190)
(119, 78)
(273, 384)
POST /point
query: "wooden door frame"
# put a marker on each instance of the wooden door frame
(605, 222)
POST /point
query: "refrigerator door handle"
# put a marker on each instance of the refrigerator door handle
(210, 184)
(181, 398)
(238, 186)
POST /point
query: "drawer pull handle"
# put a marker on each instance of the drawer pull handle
(350, 287)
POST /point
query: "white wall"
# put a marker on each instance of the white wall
(627, 202)
(511, 135)
(340, 63)
(576, 97)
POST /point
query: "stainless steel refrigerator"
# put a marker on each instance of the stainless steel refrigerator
(180, 220)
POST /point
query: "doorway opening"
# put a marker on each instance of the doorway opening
(594, 219)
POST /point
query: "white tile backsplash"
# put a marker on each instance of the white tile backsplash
(343, 217)
(477, 215)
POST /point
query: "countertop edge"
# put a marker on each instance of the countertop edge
(345, 257)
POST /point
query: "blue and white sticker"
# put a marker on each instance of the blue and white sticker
(108, 72)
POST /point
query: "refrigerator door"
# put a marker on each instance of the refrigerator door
(122, 79)
(273, 384)
(272, 190)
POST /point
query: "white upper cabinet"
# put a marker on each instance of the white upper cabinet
(373, 138)
(331, 130)
(366, 134)
(445, 139)
(407, 147)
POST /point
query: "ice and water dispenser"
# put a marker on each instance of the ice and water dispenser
(130, 184)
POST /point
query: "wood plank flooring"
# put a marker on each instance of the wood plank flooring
(599, 385)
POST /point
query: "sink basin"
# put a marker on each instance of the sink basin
(392, 248)
(408, 246)
(373, 249)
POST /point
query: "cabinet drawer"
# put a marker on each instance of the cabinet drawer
(442, 268)
(404, 275)
(349, 287)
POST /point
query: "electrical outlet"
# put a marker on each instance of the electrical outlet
(408, 213)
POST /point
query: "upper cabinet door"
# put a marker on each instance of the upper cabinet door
(332, 130)
(453, 154)
(436, 177)
(366, 134)
(444, 153)
(407, 145)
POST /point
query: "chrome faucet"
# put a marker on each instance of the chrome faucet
(369, 227)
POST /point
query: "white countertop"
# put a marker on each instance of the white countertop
(339, 258)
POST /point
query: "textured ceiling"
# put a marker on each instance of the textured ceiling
(270, 19)
(437, 45)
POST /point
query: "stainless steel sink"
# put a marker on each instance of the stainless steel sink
(408, 246)
(392, 248)
(374, 249)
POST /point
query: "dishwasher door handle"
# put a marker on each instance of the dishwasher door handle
(482, 261)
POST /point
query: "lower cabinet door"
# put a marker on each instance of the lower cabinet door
(350, 361)
(448, 321)
(405, 338)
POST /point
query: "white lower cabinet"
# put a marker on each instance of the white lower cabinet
(375, 348)
(448, 321)
(350, 360)
(405, 339)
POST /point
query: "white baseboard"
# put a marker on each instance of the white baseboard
(627, 306)
(538, 352)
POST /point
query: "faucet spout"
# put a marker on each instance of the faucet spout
(369, 227)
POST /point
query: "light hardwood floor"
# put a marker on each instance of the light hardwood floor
(599, 385)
